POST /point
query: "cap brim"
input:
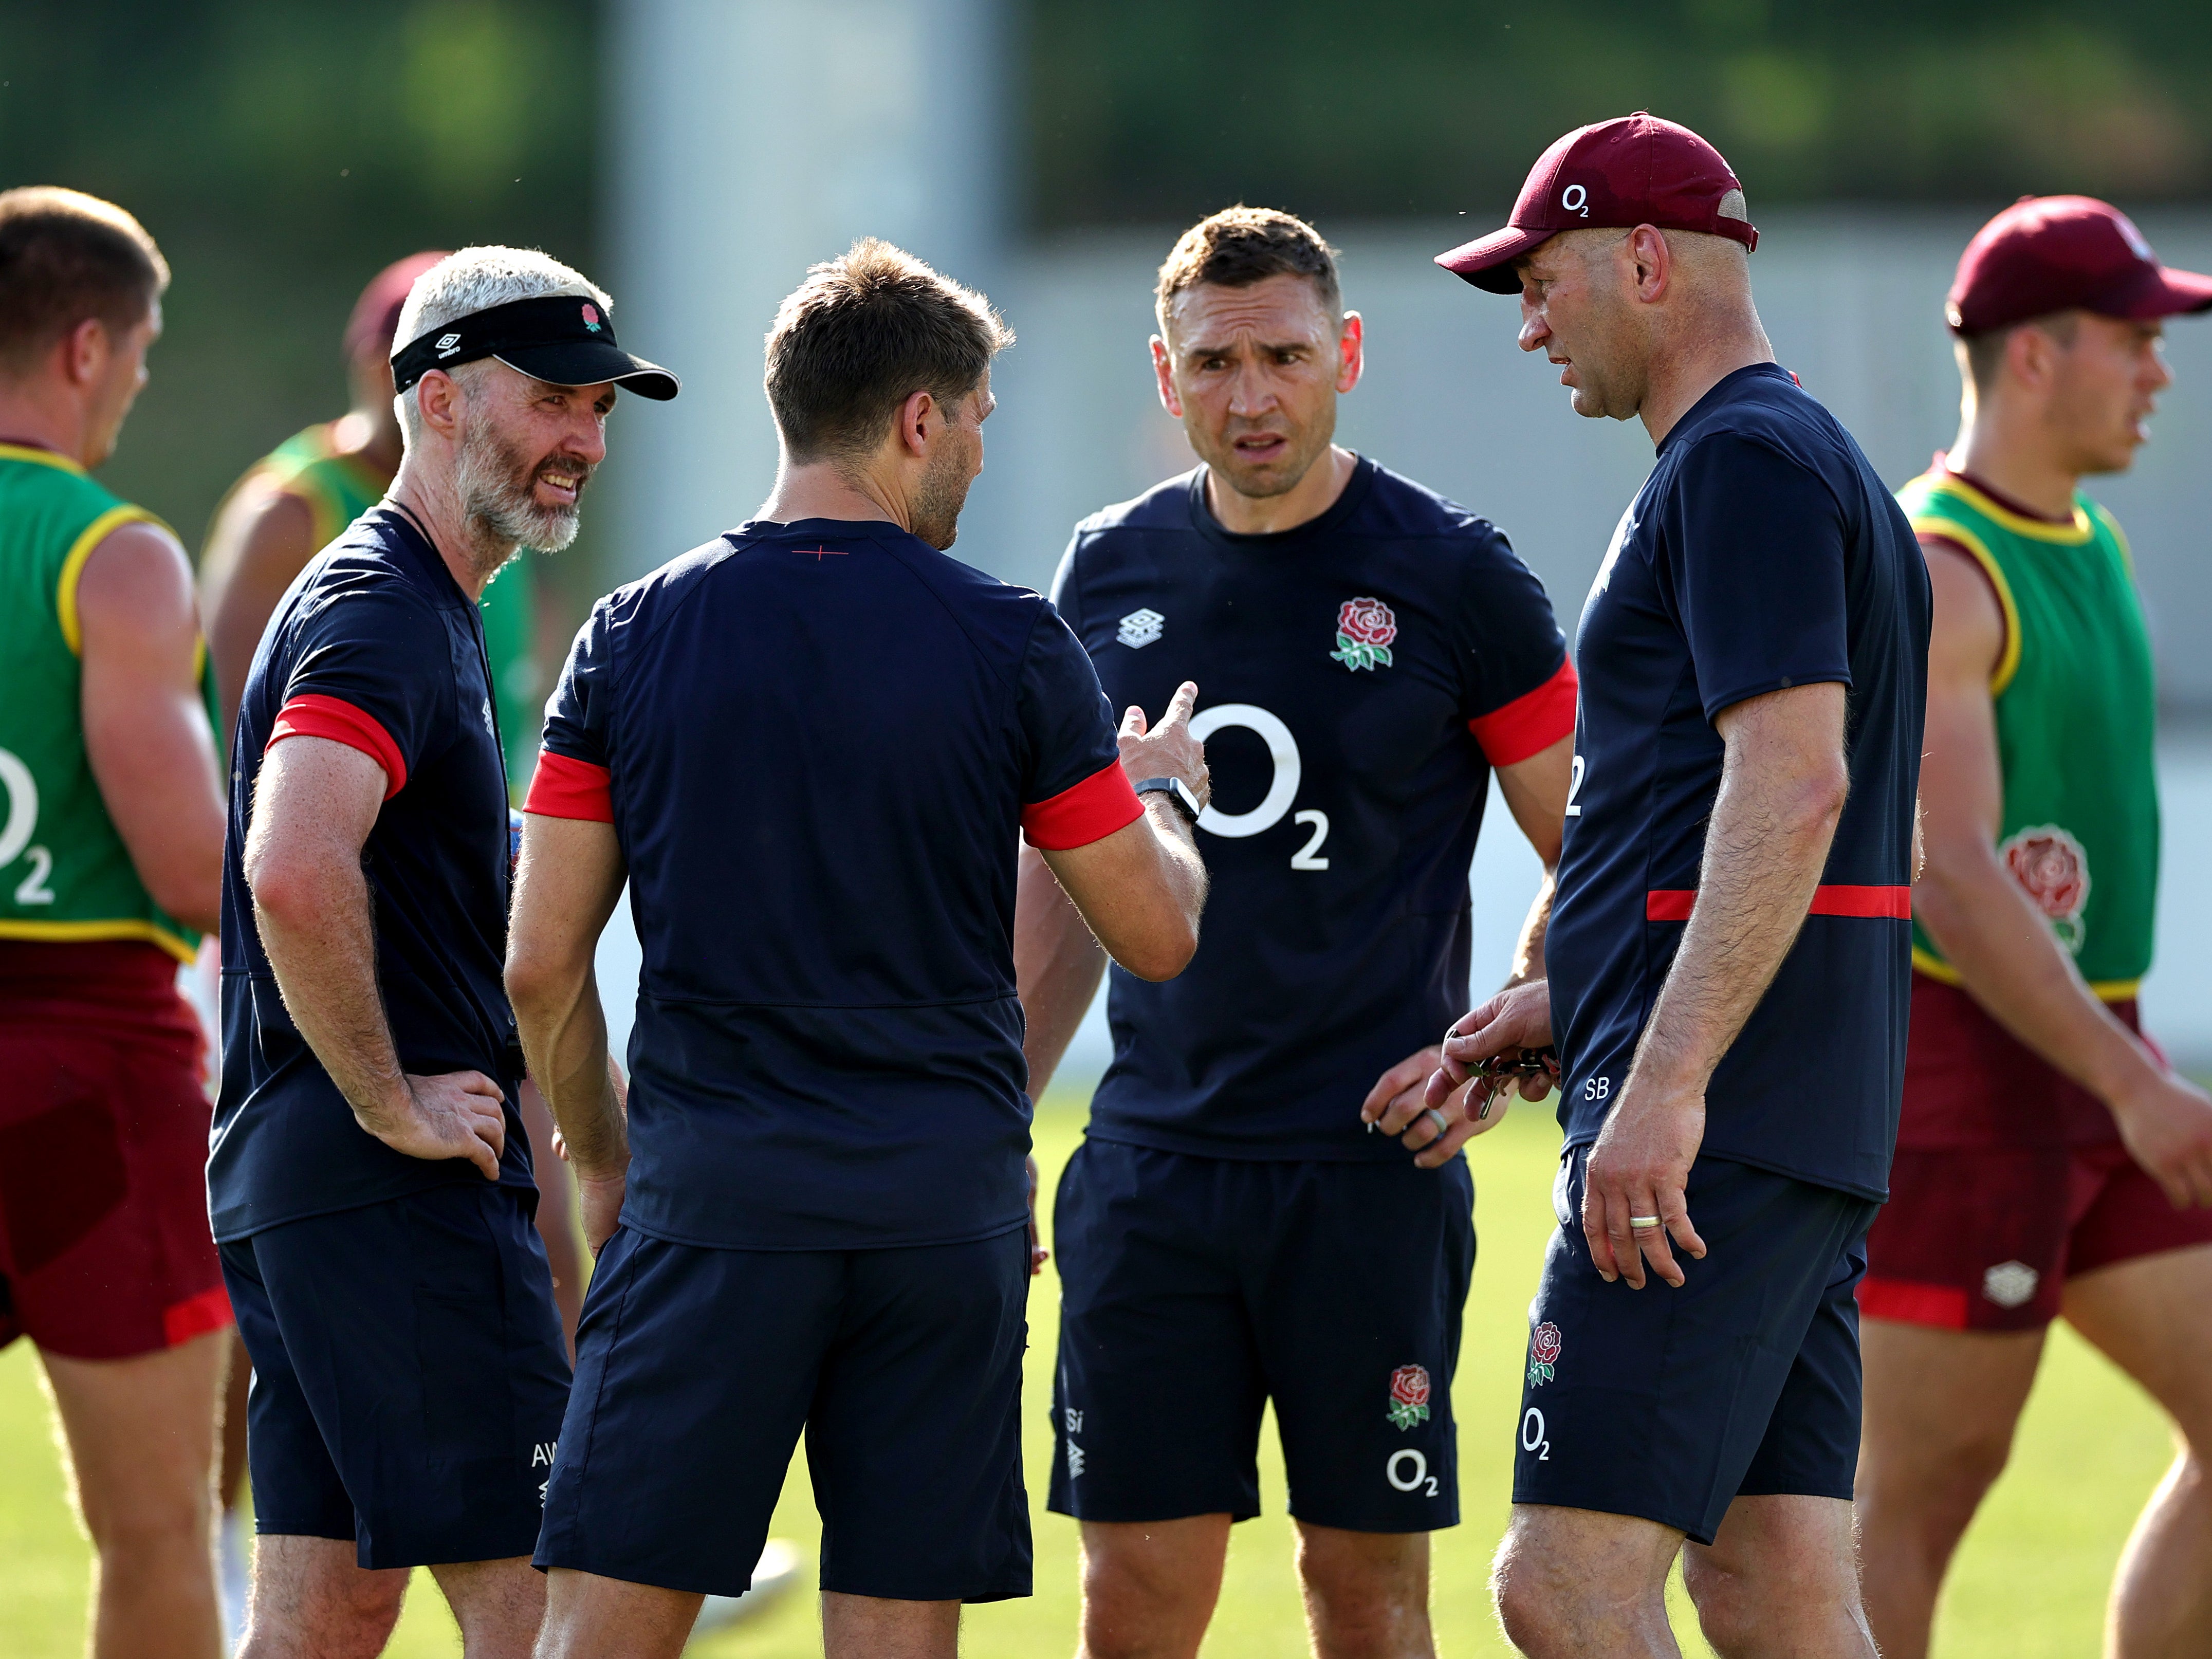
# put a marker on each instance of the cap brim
(587, 362)
(1487, 261)
(2173, 294)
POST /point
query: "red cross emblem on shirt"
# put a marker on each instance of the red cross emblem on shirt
(818, 554)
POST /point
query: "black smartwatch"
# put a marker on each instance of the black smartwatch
(1176, 791)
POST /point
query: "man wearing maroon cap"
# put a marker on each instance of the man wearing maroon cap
(2049, 1160)
(1730, 951)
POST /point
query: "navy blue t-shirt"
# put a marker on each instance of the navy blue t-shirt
(819, 744)
(374, 646)
(1358, 678)
(1762, 553)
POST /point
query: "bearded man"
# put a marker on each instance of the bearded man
(370, 1184)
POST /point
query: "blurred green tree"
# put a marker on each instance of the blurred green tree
(281, 153)
(1159, 110)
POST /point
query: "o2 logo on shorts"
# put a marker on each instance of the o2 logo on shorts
(1408, 1471)
(1535, 1437)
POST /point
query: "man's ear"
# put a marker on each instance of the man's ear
(84, 351)
(1654, 261)
(1351, 352)
(912, 427)
(439, 396)
(1163, 372)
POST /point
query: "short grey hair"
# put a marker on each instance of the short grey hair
(476, 279)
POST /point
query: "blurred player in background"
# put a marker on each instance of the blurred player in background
(110, 867)
(288, 507)
(1230, 1231)
(2049, 1160)
(809, 747)
(1730, 949)
(370, 1183)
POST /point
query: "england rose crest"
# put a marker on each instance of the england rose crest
(1364, 629)
(1543, 1353)
(2054, 869)
(1409, 1395)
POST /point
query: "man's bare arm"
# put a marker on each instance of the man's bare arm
(1991, 930)
(1783, 783)
(568, 883)
(1535, 791)
(263, 539)
(1057, 967)
(315, 803)
(1138, 892)
(145, 732)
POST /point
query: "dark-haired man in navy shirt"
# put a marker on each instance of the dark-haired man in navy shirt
(1231, 1230)
(1729, 947)
(811, 746)
(370, 1180)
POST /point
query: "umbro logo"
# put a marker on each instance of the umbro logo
(1140, 628)
(446, 342)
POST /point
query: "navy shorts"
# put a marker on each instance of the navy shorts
(408, 1374)
(1670, 1404)
(1192, 1289)
(696, 1368)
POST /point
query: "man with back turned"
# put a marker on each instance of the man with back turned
(812, 748)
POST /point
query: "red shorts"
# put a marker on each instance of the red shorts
(2009, 1180)
(104, 1248)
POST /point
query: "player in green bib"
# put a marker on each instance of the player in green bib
(110, 856)
(2049, 1163)
(294, 501)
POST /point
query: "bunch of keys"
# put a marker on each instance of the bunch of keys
(1502, 1069)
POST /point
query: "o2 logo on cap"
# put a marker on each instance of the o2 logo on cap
(592, 318)
(1576, 199)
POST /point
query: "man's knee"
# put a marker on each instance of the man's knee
(1944, 1483)
(1579, 1581)
(1362, 1581)
(309, 1596)
(1150, 1588)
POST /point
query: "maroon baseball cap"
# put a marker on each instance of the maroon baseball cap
(2046, 253)
(1634, 170)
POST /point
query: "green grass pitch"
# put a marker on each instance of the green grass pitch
(2030, 1582)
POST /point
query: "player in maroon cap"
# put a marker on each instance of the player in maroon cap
(2041, 1139)
(1728, 958)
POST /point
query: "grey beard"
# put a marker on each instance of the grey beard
(495, 488)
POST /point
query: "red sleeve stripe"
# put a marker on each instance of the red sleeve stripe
(564, 788)
(1093, 810)
(311, 714)
(1892, 903)
(1532, 722)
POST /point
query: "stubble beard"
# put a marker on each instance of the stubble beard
(943, 493)
(496, 482)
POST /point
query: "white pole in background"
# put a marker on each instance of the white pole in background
(749, 139)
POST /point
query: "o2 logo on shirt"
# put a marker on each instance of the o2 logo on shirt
(1283, 749)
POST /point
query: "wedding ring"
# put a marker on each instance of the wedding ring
(1644, 1224)
(1437, 1118)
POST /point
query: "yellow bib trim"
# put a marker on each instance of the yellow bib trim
(73, 566)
